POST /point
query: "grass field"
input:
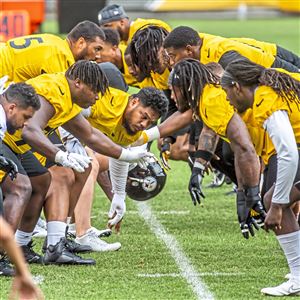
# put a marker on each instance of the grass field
(171, 248)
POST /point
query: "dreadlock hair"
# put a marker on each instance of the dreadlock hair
(154, 98)
(191, 76)
(182, 36)
(111, 36)
(23, 94)
(250, 74)
(86, 29)
(90, 74)
(144, 47)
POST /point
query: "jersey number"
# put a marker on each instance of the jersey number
(27, 43)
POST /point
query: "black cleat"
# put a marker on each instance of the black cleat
(60, 255)
(71, 245)
(74, 247)
(6, 268)
(30, 256)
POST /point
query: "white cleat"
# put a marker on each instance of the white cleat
(40, 229)
(288, 288)
(102, 233)
(91, 239)
(288, 276)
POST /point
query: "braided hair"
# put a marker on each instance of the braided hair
(145, 45)
(191, 76)
(248, 73)
(90, 74)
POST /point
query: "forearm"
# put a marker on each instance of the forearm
(7, 242)
(207, 144)
(39, 142)
(100, 143)
(175, 122)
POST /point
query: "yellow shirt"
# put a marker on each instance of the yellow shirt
(261, 141)
(266, 102)
(107, 116)
(215, 111)
(264, 46)
(129, 79)
(142, 23)
(55, 89)
(213, 47)
(269, 48)
(27, 57)
(158, 81)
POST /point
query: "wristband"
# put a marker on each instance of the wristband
(206, 155)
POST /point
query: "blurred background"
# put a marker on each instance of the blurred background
(20, 17)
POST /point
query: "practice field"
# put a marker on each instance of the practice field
(171, 249)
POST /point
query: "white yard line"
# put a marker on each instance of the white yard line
(213, 274)
(162, 212)
(187, 270)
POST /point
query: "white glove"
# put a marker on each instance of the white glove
(144, 161)
(134, 154)
(73, 145)
(117, 208)
(72, 160)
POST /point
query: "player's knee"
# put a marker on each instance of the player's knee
(64, 176)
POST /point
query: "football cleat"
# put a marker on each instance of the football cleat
(30, 256)
(288, 288)
(6, 268)
(60, 255)
(91, 239)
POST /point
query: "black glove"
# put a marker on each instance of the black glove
(252, 196)
(249, 218)
(195, 185)
(8, 166)
(165, 154)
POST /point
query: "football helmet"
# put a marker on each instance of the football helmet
(144, 184)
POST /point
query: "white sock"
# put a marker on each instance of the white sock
(56, 230)
(290, 244)
(22, 237)
(72, 227)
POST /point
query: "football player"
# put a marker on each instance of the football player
(18, 104)
(185, 42)
(24, 58)
(62, 95)
(272, 99)
(113, 16)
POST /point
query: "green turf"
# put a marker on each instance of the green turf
(208, 235)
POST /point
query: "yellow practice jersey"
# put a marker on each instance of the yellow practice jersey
(267, 101)
(213, 48)
(264, 46)
(129, 79)
(142, 23)
(158, 81)
(29, 56)
(215, 111)
(261, 141)
(55, 89)
(107, 116)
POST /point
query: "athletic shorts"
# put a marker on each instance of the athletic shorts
(27, 163)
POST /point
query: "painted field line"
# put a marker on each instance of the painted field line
(213, 274)
(183, 263)
(162, 212)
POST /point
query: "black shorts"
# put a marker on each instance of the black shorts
(27, 163)
(270, 174)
